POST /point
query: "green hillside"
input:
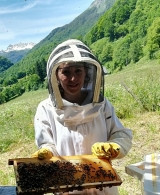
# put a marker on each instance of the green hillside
(4, 63)
(15, 56)
(125, 34)
(28, 74)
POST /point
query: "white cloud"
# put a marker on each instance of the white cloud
(14, 9)
(45, 2)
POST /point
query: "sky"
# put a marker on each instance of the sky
(28, 21)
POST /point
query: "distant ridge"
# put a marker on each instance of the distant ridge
(15, 52)
(18, 47)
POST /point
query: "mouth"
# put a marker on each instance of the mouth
(73, 85)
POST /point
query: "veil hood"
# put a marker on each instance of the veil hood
(74, 50)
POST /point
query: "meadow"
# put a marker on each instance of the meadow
(135, 94)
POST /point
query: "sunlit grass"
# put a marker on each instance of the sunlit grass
(16, 119)
(134, 90)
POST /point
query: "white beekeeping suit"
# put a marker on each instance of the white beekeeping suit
(69, 129)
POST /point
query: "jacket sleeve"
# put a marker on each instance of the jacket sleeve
(118, 133)
(42, 125)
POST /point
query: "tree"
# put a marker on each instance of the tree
(153, 37)
(33, 82)
(2, 98)
(40, 69)
(135, 51)
(106, 54)
(20, 74)
(4, 64)
(121, 53)
(9, 81)
(123, 14)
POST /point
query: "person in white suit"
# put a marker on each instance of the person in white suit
(76, 118)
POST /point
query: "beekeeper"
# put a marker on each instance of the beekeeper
(77, 119)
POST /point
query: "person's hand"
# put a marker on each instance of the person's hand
(42, 153)
(106, 150)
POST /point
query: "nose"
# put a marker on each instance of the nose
(73, 77)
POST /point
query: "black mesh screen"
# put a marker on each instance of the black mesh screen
(85, 54)
(59, 50)
(83, 47)
(65, 55)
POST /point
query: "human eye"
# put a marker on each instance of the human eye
(65, 72)
(79, 70)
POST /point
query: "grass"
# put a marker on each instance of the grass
(137, 86)
(134, 92)
(17, 131)
(16, 119)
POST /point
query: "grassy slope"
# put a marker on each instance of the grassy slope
(16, 127)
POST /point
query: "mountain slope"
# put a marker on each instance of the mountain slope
(128, 32)
(16, 52)
(81, 24)
(4, 63)
(76, 29)
(15, 56)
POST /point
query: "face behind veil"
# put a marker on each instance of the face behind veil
(74, 51)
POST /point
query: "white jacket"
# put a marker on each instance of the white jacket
(73, 130)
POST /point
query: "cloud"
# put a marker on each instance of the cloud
(14, 8)
(23, 6)
(45, 2)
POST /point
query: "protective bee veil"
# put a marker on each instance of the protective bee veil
(74, 51)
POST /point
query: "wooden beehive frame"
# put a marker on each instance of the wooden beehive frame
(88, 171)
